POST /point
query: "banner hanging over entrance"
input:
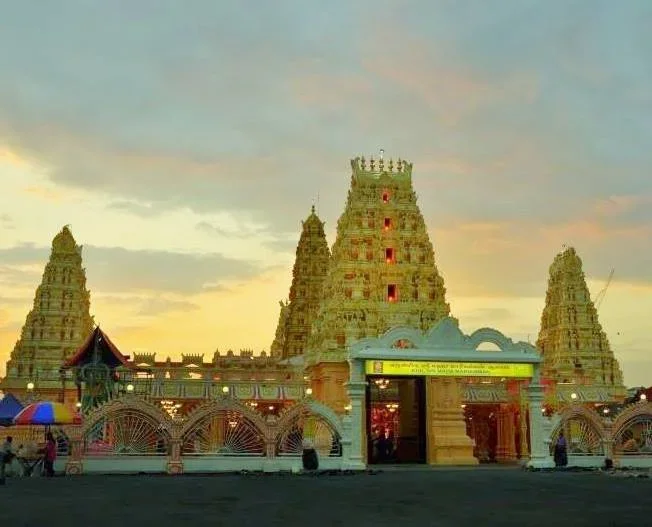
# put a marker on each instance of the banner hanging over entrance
(448, 369)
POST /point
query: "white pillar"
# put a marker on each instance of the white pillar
(539, 453)
(356, 389)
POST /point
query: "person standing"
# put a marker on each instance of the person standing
(6, 457)
(50, 455)
(561, 455)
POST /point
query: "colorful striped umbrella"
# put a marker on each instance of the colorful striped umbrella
(47, 413)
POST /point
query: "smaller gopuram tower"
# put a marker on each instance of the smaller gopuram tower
(310, 267)
(575, 349)
(58, 323)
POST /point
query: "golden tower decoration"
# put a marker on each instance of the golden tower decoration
(308, 275)
(57, 324)
(382, 271)
(575, 349)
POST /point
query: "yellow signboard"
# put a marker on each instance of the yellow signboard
(448, 369)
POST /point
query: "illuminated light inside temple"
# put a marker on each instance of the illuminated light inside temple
(391, 292)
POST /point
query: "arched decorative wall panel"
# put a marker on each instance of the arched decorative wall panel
(309, 423)
(224, 427)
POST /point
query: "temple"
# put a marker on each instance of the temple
(577, 357)
(366, 361)
(310, 266)
(382, 272)
(382, 275)
(57, 324)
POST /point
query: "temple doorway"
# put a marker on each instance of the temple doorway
(396, 431)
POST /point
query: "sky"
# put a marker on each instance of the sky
(184, 142)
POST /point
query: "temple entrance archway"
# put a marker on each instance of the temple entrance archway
(449, 371)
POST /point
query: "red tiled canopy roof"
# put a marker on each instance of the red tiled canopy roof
(109, 352)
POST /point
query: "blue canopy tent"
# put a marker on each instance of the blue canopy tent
(10, 407)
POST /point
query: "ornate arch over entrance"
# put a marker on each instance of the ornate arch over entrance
(447, 360)
(445, 335)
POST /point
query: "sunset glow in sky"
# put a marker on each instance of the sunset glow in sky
(184, 145)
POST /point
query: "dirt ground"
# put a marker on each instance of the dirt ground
(454, 497)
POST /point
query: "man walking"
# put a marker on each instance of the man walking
(6, 457)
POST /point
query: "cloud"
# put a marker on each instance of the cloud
(11, 301)
(24, 254)
(331, 92)
(468, 96)
(6, 222)
(154, 307)
(116, 269)
(137, 209)
(624, 210)
(276, 242)
(481, 315)
(512, 258)
(237, 231)
(449, 92)
(285, 245)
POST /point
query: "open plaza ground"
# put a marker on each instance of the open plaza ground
(486, 496)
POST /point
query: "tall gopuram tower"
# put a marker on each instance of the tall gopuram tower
(382, 273)
(57, 325)
(576, 352)
(308, 275)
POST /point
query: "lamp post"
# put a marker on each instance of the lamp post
(30, 392)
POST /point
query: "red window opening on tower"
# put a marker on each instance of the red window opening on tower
(389, 255)
(391, 293)
(385, 197)
(388, 223)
